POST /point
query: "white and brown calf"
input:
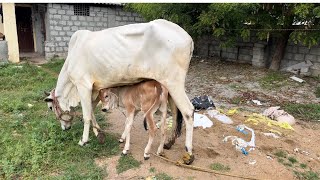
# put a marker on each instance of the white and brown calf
(147, 96)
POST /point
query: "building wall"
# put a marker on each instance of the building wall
(62, 23)
(259, 53)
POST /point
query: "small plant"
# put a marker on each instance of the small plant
(273, 79)
(219, 167)
(127, 162)
(306, 112)
(236, 100)
(303, 166)
(163, 176)
(281, 154)
(292, 160)
(309, 175)
(152, 170)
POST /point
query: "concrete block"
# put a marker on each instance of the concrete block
(288, 49)
(245, 51)
(99, 24)
(259, 45)
(65, 17)
(58, 38)
(125, 18)
(63, 23)
(67, 39)
(100, 14)
(122, 13)
(89, 18)
(288, 56)
(4, 51)
(310, 57)
(62, 33)
(92, 14)
(104, 19)
(59, 49)
(74, 18)
(92, 24)
(303, 50)
(74, 28)
(58, 28)
(61, 12)
(70, 12)
(69, 33)
(54, 33)
(118, 18)
(96, 9)
(84, 23)
(76, 23)
(295, 49)
(62, 44)
(90, 28)
(111, 11)
(82, 18)
(53, 11)
(57, 16)
(298, 57)
(49, 44)
(65, 6)
(53, 22)
(65, 49)
(246, 58)
(315, 51)
(96, 19)
(70, 23)
(56, 6)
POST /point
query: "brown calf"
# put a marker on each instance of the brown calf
(147, 96)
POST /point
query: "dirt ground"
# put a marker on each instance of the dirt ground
(224, 82)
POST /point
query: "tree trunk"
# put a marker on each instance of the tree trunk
(280, 50)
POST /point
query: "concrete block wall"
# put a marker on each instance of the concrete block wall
(258, 53)
(62, 23)
(3, 51)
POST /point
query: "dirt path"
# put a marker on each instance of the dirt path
(219, 80)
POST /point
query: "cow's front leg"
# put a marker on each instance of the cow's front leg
(85, 97)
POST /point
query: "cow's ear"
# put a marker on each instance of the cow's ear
(48, 99)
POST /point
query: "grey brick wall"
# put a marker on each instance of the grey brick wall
(258, 53)
(62, 23)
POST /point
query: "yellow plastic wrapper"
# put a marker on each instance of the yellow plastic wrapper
(232, 111)
(255, 119)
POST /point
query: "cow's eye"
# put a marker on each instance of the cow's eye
(106, 96)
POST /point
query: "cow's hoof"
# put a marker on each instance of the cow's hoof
(82, 143)
(168, 145)
(123, 154)
(162, 154)
(187, 158)
(121, 140)
(101, 137)
(146, 156)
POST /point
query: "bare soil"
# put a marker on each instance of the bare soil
(224, 82)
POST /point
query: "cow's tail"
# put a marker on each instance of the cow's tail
(176, 123)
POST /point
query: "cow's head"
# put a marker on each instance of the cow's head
(65, 118)
(108, 99)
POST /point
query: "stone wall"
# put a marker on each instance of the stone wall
(258, 53)
(62, 23)
(3, 51)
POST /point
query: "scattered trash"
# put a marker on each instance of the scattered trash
(241, 144)
(259, 118)
(275, 131)
(257, 102)
(252, 161)
(279, 115)
(231, 112)
(220, 117)
(201, 120)
(269, 157)
(302, 68)
(271, 135)
(241, 129)
(297, 79)
(30, 105)
(202, 103)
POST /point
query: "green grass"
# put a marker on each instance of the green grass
(32, 142)
(273, 79)
(303, 166)
(126, 162)
(292, 160)
(219, 167)
(309, 175)
(163, 176)
(152, 170)
(281, 154)
(306, 112)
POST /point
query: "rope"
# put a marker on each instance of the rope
(276, 29)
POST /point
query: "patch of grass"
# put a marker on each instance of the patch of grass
(292, 160)
(236, 100)
(152, 170)
(126, 162)
(281, 154)
(163, 176)
(281, 160)
(55, 64)
(273, 79)
(32, 141)
(317, 92)
(219, 167)
(309, 175)
(303, 166)
(306, 112)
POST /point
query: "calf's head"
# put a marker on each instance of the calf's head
(108, 99)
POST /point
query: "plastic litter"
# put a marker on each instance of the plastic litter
(241, 144)
(202, 103)
(259, 118)
(231, 112)
(218, 116)
(297, 79)
(252, 161)
(257, 102)
(279, 115)
(271, 135)
(202, 120)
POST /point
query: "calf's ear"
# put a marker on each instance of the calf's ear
(48, 99)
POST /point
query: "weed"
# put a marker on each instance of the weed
(219, 167)
(126, 162)
(303, 166)
(292, 160)
(273, 79)
(152, 170)
(281, 154)
(280, 160)
(309, 175)
(236, 100)
(307, 112)
(163, 176)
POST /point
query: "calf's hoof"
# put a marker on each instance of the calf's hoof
(101, 137)
(146, 156)
(121, 140)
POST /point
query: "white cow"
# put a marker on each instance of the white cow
(159, 50)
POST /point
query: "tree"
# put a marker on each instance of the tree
(285, 21)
